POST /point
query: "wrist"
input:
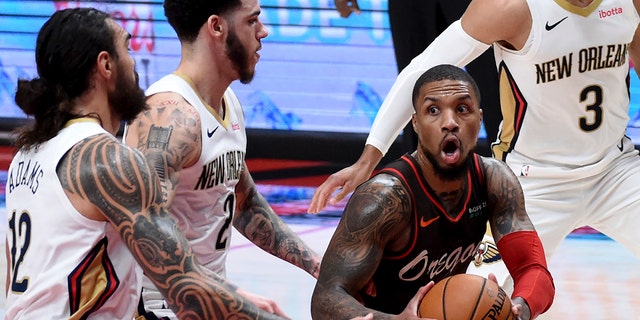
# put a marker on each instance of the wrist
(369, 158)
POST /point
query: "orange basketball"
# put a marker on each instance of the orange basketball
(466, 297)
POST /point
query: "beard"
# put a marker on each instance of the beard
(239, 57)
(450, 173)
(129, 99)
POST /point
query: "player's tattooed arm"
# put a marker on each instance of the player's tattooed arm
(257, 221)
(506, 200)
(376, 218)
(101, 175)
(169, 136)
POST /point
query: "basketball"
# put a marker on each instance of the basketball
(468, 297)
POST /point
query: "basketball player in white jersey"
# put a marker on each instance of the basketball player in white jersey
(563, 67)
(83, 208)
(194, 135)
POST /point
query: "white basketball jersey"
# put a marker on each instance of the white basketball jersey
(565, 96)
(204, 199)
(62, 265)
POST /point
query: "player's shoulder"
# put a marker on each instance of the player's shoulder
(102, 155)
(105, 148)
(384, 181)
(494, 167)
(168, 101)
(382, 201)
(383, 189)
(168, 110)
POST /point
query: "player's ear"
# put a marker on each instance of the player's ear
(104, 64)
(215, 25)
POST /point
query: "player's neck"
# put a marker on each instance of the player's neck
(208, 90)
(580, 3)
(436, 181)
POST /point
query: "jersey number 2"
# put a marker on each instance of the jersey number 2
(229, 205)
(21, 238)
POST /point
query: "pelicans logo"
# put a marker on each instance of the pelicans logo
(487, 253)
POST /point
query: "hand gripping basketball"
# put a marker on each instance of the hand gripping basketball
(466, 297)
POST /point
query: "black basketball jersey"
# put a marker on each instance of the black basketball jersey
(439, 246)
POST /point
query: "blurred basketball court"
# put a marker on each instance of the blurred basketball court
(595, 277)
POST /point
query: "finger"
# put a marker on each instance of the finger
(278, 311)
(320, 198)
(266, 306)
(414, 303)
(493, 277)
(423, 291)
(354, 6)
(516, 309)
(339, 196)
(323, 193)
(429, 286)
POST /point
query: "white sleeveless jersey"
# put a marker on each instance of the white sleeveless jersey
(565, 96)
(62, 265)
(204, 199)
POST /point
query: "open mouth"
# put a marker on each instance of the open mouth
(451, 149)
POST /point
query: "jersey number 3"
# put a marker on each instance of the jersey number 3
(595, 107)
(21, 238)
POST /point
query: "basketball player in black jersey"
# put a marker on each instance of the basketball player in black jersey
(422, 217)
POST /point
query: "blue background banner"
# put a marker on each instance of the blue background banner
(318, 71)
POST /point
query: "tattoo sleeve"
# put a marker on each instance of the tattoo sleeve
(377, 217)
(257, 221)
(118, 181)
(169, 137)
(506, 200)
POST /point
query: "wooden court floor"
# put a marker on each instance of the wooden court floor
(595, 278)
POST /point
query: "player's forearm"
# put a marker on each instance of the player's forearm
(328, 304)
(261, 225)
(191, 290)
(197, 294)
(369, 159)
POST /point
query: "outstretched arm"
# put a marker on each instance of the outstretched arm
(483, 23)
(518, 242)
(347, 179)
(453, 46)
(257, 221)
(106, 179)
